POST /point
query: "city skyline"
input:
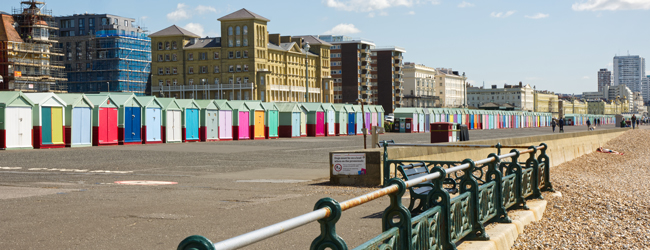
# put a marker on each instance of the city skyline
(563, 41)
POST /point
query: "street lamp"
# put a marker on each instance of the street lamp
(306, 71)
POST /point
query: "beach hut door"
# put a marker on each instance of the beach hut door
(153, 124)
(18, 127)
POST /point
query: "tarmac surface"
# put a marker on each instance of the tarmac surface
(69, 198)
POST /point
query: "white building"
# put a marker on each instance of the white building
(621, 92)
(629, 70)
(450, 88)
(419, 86)
(520, 96)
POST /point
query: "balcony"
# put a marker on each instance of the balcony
(201, 87)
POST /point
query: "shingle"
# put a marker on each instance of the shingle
(314, 40)
(213, 42)
(173, 31)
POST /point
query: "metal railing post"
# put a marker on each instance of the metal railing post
(386, 164)
(396, 208)
(515, 168)
(546, 175)
(195, 242)
(468, 184)
(328, 238)
(493, 174)
(534, 164)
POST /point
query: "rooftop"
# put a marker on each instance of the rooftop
(173, 31)
(243, 14)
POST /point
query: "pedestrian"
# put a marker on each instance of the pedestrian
(588, 125)
(623, 124)
(598, 122)
(637, 123)
(561, 125)
(633, 121)
(553, 125)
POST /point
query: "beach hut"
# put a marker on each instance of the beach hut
(225, 120)
(271, 118)
(190, 119)
(78, 120)
(151, 119)
(105, 120)
(315, 119)
(421, 119)
(240, 120)
(368, 117)
(358, 119)
(130, 118)
(340, 119)
(303, 120)
(427, 119)
(412, 113)
(351, 127)
(47, 120)
(380, 115)
(15, 121)
(172, 125)
(289, 119)
(208, 120)
(373, 116)
(256, 120)
(330, 119)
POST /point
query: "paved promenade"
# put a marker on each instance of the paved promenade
(68, 198)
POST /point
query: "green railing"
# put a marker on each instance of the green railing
(486, 189)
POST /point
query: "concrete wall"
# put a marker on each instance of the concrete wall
(562, 148)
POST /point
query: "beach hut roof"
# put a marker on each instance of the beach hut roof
(99, 100)
(75, 100)
(287, 107)
(312, 106)
(13, 98)
(405, 110)
(123, 98)
(340, 107)
(239, 105)
(207, 104)
(269, 106)
(169, 103)
(187, 103)
(380, 108)
(149, 101)
(223, 105)
(328, 106)
(255, 105)
(45, 98)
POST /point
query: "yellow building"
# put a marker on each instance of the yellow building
(245, 63)
(579, 107)
(546, 102)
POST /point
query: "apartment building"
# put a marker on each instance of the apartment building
(104, 52)
(350, 60)
(451, 88)
(604, 79)
(520, 96)
(29, 54)
(419, 86)
(245, 63)
(387, 77)
(629, 70)
(546, 101)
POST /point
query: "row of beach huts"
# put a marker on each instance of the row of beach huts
(49, 120)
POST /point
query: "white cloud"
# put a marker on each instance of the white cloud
(501, 14)
(179, 14)
(465, 5)
(144, 18)
(538, 16)
(595, 5)
(411, 13)
(373, 5)
(202, 9)
(371, 14)
(342, 29)
(585, 77)
(383, 13)
(195, 28)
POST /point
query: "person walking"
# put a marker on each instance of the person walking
(637, 123)
(561, 123)
(588, 124)
(598, 122)
(553, 124)
(633, 121)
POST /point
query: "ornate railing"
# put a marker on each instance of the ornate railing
(486, 189)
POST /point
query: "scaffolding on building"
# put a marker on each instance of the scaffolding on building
(122, 61)
(35, 63)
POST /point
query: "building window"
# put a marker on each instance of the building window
(160, 82)
(238, 68)
(104, 21)
(245, 95)
(126, 23)
(230, 82)
(174, 57)
(204, 55)
(216, 55)
(238, 80)
(231, 55)
(245, 79)
(174, 71)
(230, 31)
(191, 70)
(216, 69)
(216, 80)
(245, 30)
(229, 42)
(167, 71)
(245, 68)
(160, 46)
(238, 54)
(245, 41)
(160, 58)
(204, 69)
(160, 71)
(238, 44)
(174, 45)
(190, 56)
(175, 82)
(231, 68)
(245, 53)
(167, 47)
(167, 57)
(237, 31)
(191, 81)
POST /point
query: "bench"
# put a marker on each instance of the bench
(421, 191)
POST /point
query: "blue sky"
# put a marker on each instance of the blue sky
(556, 45)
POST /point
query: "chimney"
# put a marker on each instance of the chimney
(285, 39)
(297, 40)
(520, 84)
(494, 86)
(274, 39)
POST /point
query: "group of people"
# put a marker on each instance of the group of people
(561, 122)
